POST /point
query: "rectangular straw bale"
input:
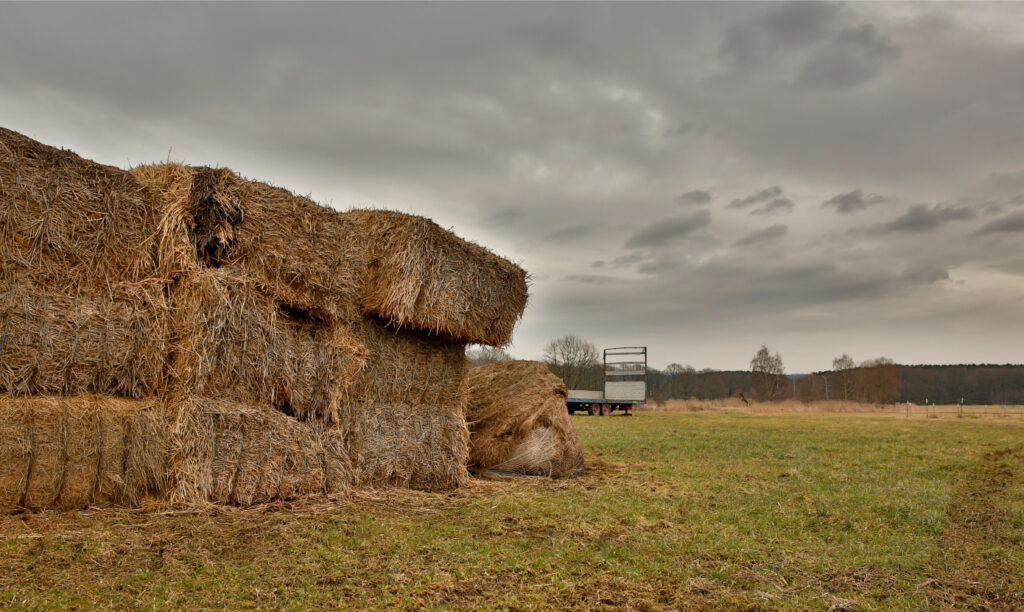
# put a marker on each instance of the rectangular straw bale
(234, 453)
(79, 222)
(306, 254)
(407, 445)
(235, 342)
(72, 452)
(427, 278)
(112, 341)
(406, 366)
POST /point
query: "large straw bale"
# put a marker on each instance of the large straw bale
(235, 342)
(518, 421)
(402, 416)
(77, 451)
(407, 444)
(113, 340)
(233, 453)
(79, 222)
(306, 254)
(406, 366)
(424, 277)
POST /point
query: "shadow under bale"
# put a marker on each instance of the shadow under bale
(518, 422)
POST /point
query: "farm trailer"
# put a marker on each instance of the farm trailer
(625, 384)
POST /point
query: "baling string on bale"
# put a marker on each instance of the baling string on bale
(37, 247)
(30, 381)
(213, 454)
(74, 347)
(238, 466)
(64, 459)
(280, 477)
(31, 460)
(99, 459)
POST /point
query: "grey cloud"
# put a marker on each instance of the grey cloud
(925, 273)
(661, 233)
(776, 206)
(573, 232)
(587, 278)
(695, 198)
(630, 258)
(853, 201)
(857, 55)
(922, 218)
(598, 264)
(752, 42)
(507, 214)
(658, 266)
(763, 236)
(756, 198)
(1010, 224)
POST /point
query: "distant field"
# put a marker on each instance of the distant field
(699, 509)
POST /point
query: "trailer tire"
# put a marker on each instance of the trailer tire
(605, 410)
(593, 410)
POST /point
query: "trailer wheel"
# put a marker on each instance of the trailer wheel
(605, 409)
(592, 410)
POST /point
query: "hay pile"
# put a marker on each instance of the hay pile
(245, 344)
(518, 422)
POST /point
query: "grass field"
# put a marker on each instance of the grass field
(678, 510)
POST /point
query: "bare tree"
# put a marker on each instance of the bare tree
(486, 354)
(843, 367)
(767, 374)
(570, 357)
(880, 381)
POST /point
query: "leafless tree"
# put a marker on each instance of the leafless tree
(767, 374)
(843, 367)
(486, 354)
(570, 357)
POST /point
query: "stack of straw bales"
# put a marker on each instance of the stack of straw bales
(229, 341)
(518, 422)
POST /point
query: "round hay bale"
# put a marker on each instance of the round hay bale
(518, 422)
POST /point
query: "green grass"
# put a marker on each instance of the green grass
(694, 510)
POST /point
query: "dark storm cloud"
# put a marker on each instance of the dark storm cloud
(763, 236)
(696, 197)
(777, 206)
(856, 55)
(922, 218)
(1010, 224)
(666, 231)
(853, 201)
(753, 199)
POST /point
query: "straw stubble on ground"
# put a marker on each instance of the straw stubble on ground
(676, 510)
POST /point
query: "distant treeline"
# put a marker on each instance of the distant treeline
(882, 382)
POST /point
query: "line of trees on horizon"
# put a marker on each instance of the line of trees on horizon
(878, 381)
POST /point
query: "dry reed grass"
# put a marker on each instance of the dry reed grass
(79, 451)
(782, 406)
(518, 421)
(424, 277)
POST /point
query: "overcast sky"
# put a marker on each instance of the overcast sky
(702, 179)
